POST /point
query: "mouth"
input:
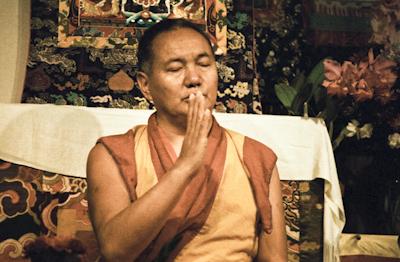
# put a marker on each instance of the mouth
(186, 98)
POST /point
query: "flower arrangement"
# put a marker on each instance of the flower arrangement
(369, 81)
(359, 100)
(371, 78)
(354, 98)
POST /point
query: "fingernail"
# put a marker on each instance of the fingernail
(191, 96)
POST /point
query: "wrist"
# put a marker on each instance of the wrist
(184, 169)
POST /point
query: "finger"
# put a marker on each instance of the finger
(197, 114)
(202, 105)
(192, 130)
(205, 124)
(190, 116)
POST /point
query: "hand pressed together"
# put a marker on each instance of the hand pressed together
(194, 145)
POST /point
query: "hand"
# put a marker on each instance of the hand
(194, 145)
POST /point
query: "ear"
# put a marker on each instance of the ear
(143, 82)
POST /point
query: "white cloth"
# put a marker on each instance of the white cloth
(58, 139)
(369, 245)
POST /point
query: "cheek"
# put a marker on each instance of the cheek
(164, 86)
(212, 94)
(212, 78)
(212, 85)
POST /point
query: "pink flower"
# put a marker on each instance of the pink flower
(333, 70)
(334, 80)
(362, 92)
(371, 78)
(350, 74)
(381, 76)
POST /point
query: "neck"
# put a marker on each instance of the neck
(173, 127)
(174, 131)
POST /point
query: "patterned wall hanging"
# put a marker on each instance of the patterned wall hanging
(118, 23)
(280, 52)
(79, 58)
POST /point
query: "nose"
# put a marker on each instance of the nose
(192, 77)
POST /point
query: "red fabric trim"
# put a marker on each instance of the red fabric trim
(260, 161)
(121, 148)
(194, 206)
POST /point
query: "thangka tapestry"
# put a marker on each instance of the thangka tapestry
(84, 52)
(118, 23)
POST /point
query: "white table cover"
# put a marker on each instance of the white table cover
(58, 138)
(384, 246)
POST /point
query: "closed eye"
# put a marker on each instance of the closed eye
(204, 60)
(174, 69)
(205, 64)
(174, 65)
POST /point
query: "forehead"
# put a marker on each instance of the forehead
(180, 42)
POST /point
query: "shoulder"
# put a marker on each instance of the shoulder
(111, 149)
(119, 145)
(255, 153)
(113, 157)
(117, 139)
(100, 164)
(251, 147)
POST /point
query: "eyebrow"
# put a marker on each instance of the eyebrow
(180, 60)
(203, 54)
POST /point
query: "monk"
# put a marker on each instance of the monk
(182, 188)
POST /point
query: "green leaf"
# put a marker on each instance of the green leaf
(318, 92)
(316, 78)
(320, 96)
(317, 73)
(285, 94)
(298, 81)
(302, 96)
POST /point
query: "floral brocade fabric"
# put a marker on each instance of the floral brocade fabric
(38, 203)
(49, 204)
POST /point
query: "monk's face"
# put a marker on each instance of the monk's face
(182, 64)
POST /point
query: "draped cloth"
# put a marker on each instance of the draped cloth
(195, 203)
